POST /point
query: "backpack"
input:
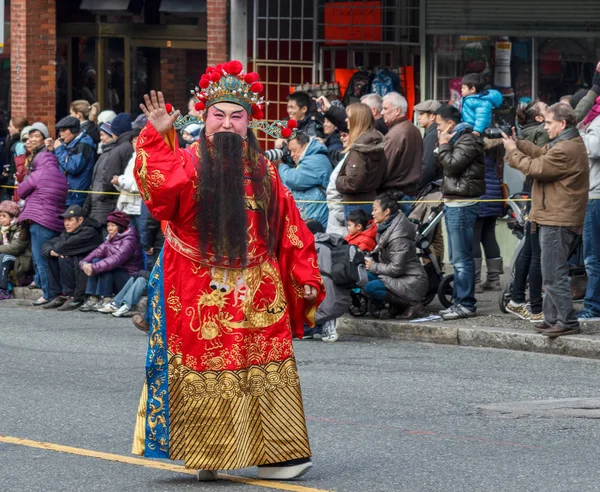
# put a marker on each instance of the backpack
(348, 269)
(358, 86)
(384, 82)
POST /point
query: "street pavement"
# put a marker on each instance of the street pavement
(383, 415)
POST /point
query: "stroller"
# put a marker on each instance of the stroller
(516, 223)
(426, 213)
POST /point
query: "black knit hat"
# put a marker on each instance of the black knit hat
(69, 123)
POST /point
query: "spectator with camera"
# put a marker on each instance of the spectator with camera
(75, 151)
(308, 179)
(560, 174)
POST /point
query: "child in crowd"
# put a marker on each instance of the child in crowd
(15, 256)
(361, 231)
(477, 103)
(112, 263)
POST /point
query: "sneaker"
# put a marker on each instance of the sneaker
(519, 310)
(459, 312)
(101, 303)
(4, 294)
(587, 317)
(122, 311)
(536, 318)
(285, 471)
(57, 302)
(108, 308)
(329, 331)
(89, 304)
(446, 311)
(40, 301)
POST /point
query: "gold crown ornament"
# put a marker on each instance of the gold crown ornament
(227, 82)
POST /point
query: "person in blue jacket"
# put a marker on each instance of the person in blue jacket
(477, 103)
(308, 180)
(75, 151)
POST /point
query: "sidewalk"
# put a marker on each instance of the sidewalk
(490, 329)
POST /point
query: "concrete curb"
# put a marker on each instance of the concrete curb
(587, 346)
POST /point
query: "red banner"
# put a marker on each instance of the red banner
(352, 21)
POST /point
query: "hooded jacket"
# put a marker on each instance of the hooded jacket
(337, 299)
(130, 200)
(561, 182)
(308, 181)
(397, 265)
(45, 192)
(80, 242)
(463, 163)
(494, 162)
(364, 168)
(76, 160)
(477, 109)
(120, 251)
(404, 154)
(365, 240)
(112, 162)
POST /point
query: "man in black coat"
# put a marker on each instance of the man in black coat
(426, 119)
(64, 252)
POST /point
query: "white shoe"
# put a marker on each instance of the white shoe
(122, 311)
(206, 475)
(283, 472)
(329, 331)
(111, 307)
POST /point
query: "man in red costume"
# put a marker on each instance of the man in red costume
(237, 276)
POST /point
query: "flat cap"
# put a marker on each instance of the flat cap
(428, 106)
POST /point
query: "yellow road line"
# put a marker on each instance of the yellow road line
(158, 465)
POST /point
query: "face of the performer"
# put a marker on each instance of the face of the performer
(379, 215)
(226, 117)
(5, 219)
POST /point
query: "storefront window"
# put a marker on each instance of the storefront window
(114, 81)
(85, 74)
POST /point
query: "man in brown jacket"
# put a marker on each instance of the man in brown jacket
(403, 150)
(560, 175)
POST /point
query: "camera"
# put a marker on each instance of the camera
(496, 132)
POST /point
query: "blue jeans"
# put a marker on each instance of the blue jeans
(107, 283)
(460, 222)
(591, 253)
(39, 236)
(133, 291)
(375, 289)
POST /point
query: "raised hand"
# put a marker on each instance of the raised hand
(155, 111)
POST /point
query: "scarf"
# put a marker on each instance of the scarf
(567, 134)
(594, 112)
(4, 230)
(381, 228)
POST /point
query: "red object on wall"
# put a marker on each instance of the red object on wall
(342, 77)
(408, 85)
(352, 21)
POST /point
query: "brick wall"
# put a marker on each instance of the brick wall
(173, 82)
(33, 60)
(216, 26)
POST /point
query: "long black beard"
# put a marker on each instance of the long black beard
(222, 215)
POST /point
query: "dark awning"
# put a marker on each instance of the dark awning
(183, 6)
(106, 7)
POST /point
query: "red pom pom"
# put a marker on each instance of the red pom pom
(169, 108)
(257, 87)
(204, 83)
(235, 67)
(251, 77)
(286, 132)
(215, 76)
(200, 106)
(210, 70)
(219, 68)
(292, 124)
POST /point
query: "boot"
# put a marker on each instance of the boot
(414, 308)
(397, 306)
(478, 287)
(494, 269)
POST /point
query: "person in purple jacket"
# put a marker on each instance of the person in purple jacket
(45, 193)
(113, 263)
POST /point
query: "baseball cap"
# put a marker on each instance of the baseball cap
(72, 211)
